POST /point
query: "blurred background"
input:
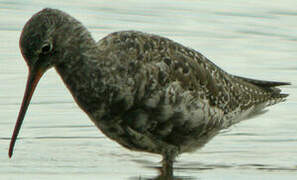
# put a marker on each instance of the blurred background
(256, 39)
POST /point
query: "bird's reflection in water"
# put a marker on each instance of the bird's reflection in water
(167, 174)
(163, 176)
(200, 167)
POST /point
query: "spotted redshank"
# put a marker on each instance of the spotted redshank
(144, 91)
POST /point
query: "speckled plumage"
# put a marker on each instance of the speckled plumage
(144, 91)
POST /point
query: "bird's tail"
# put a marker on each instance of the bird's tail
(270, 87)
(271, 95)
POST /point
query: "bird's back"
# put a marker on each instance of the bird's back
(173, 93)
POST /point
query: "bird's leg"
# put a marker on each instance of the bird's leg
(167, 162)
(167, 166)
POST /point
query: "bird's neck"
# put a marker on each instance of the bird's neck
(79, 73)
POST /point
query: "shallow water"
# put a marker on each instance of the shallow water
(247, 38)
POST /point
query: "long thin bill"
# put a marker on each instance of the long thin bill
(32, 81)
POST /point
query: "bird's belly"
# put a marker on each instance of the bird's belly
(160, 137)
(137, 141)
(128, 137)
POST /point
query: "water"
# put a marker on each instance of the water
(248, 38)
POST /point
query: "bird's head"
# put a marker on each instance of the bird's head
(44, 42)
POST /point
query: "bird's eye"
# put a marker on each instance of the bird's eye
(46, 48)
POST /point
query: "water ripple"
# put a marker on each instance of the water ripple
(54, 137)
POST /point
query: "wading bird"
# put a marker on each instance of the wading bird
(146, 92)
